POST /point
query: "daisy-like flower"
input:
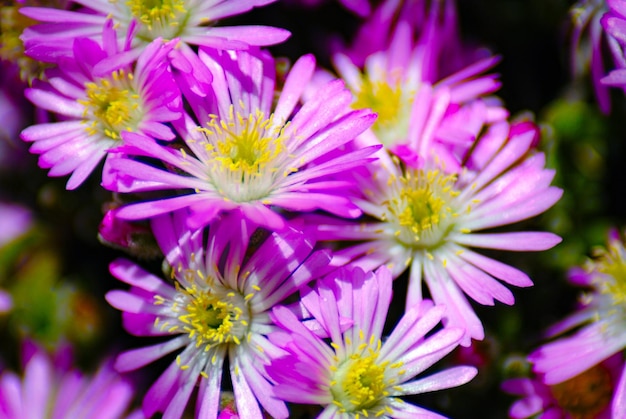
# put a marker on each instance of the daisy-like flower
(427, 220)
(49, 391)
(602, 322)
(245, 152)
(96, 95)
(191, 21)
(403, 82)
(216, 310)
(585, 396)
(358, 375)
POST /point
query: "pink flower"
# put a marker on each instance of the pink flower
(191, 21)
(245, 152)
(49, 391)
(601, 323)
(217, 310)
(96, 95)
(427, 220)
(357, 375)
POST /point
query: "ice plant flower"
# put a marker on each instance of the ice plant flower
(47, 391)
(428, 219)
(601, 323)
(419, 104)
(242, 151)
(193, 22)
(96, 97)
(585, 396)
(215, 312)
(357, 375)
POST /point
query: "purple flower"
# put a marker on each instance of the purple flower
(428, 219)
(191, 21)
(97, 94)
(245, 152)
(358, 375)
(49, 391)
(420, 106)
(601, 320)
(217, 310)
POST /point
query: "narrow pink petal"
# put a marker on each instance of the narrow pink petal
(518, 241)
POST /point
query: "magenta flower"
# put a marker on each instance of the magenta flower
(587, 395)
(190, 21)
(602, 322)
(217, 310)
(427, 220)
(403, 82)
(48, 391)
(614, 24)
(358, 375)
(97, 95)
(246, 153)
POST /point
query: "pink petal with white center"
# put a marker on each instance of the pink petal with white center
(149, 209)
(451, 377)
(459, 312)
(509, 154)
(252, 34)
(307, 201)
(477, 284)
(416, 323)
(209, 393)
(131, 303)
(247, 406)
(130, 273)
(85, 168)
(497, 269)
(55, 103)
(260, 387)
(565, 358)
(403, 410)
(295, 83)
(137, 358)
(426, 353)
(517, 241)
(514, 212)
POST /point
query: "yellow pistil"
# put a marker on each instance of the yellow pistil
(585, 395)
(361, 382)
(160, 18)
(245, 150)
(611, 263)
(213, 318)
(422, 207)
(112, 105)
(392, 103)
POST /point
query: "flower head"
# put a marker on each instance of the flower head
(601, 320)
(358, 375)
(47, 390)
(216, 310)
(427, 220)
(245, 152)
(191, 21)
(96, 95)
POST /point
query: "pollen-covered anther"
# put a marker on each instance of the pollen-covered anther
(422, 207)
(247, 154)
(111, 105)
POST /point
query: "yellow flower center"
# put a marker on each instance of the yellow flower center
(160, 18)
(422, 207)
(392, 103)
(246, 152)
(585, 395)
(361, 383)
(112, 105)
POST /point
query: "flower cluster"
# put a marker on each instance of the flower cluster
(287, 203)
